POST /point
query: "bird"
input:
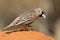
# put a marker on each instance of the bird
(27, 18)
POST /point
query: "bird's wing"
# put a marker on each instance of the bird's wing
(24, 18)
(27, 18)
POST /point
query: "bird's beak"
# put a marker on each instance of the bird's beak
(43, 15)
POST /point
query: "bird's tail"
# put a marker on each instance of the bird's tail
(7, 27)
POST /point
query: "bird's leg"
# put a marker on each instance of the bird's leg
(30, 25)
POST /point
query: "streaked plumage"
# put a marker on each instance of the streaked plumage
(27, 18)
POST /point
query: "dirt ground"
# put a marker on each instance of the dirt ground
(24, 35)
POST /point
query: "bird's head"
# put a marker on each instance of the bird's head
(40, 12)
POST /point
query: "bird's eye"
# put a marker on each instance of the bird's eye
(41, 14)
